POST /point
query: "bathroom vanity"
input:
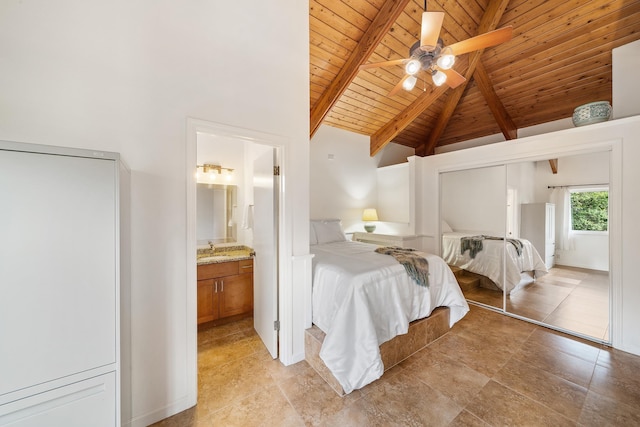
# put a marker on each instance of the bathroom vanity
(225, 286)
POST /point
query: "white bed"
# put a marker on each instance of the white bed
(520, 269)
(362, 299)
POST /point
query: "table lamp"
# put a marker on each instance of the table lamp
(369, 215)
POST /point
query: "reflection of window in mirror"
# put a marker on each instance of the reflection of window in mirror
(589, 209)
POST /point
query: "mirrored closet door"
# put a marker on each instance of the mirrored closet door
(531, 239)
(473, 228)
(560, 207)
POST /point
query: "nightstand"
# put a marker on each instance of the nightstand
(386, 239)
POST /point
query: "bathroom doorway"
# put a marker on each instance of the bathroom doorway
(254, 159)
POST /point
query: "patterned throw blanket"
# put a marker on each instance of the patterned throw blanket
(416, 266)
(474, 244)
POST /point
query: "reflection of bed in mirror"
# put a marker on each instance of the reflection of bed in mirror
(484, 256)
(363, 299)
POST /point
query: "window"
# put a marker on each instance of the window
(590, 209)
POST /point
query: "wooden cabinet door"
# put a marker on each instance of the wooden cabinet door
(236, 294)
(207, 307)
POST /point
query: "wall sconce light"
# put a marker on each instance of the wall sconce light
(369, 214)
(208, 172)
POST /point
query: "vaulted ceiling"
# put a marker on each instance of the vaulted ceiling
(558, 58)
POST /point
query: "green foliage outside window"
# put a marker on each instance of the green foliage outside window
(590, 210)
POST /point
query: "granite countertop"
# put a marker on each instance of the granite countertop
(224, 254)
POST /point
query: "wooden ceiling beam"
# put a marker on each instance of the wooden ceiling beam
(384, 20)
(390, 130)
(490, 20)
(507, 126)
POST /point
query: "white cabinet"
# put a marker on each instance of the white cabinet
(60, 286)
(537, 224)
(87, 402)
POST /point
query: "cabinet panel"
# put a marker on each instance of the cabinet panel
(207, 310)
(211, 271)
(91, 402)
(237, 295)
(222, 292)
(58, 266)
(246, 266)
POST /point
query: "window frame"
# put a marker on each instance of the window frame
(590, 189)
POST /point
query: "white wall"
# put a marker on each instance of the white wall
(591, 168)
(345, 180)
(554, 126)
(625, 88)
(394, 188)
(124, 76)
(342, 177)
(474, 200)
(618, 136)
(393, 154)
(520, 185)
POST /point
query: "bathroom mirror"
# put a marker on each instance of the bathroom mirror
(216, 213)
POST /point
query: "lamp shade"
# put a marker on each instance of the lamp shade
(439, 78)
(409, 83)
(370, 215)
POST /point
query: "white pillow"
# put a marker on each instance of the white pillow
(328, 230)
(445, 228)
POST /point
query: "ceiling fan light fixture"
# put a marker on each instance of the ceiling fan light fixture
(438, 77)
(446, 59)
(409, 83)
(412, 67)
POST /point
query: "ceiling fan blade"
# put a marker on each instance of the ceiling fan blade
(383, 64)
(489, 39)
(454, 79)
(430, 30)
(397, 87)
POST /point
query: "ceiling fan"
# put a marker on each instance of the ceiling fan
(430, 55)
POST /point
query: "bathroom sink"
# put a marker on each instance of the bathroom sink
(214, 258)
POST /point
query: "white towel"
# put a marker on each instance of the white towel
(247, 217)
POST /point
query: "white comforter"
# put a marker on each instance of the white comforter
(362, 299)
(488, 261)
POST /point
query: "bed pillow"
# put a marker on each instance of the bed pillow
(328, 230)
(313, 240)
(445, 228)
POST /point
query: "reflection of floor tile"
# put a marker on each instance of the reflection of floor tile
(489, 369)
(567, 297)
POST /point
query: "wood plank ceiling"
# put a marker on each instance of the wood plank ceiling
(559, 58)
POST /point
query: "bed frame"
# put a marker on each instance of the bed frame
(421, 333)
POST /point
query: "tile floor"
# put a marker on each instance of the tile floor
(489, 370)
(575, 299)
